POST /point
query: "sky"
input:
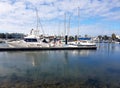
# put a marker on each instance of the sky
(91, 17)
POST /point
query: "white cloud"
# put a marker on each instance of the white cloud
(20, 15)
(5, 7)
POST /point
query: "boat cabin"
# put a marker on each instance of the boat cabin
(30, 40)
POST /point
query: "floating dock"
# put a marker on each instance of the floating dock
(49, 48)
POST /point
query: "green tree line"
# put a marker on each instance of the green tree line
(11, 35)
(112, 37)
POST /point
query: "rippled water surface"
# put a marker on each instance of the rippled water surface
(62, 69)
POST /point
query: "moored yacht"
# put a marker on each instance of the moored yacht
(31, 40)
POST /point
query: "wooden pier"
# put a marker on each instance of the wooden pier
(49, 48)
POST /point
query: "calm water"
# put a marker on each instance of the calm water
(62, 69)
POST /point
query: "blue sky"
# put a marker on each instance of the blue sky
(96, 17)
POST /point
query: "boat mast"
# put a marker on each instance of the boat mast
(78, 23)
(36, 32)
(38, 21)
(69, 25)
(65, 33)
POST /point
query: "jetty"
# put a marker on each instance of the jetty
(48, 48)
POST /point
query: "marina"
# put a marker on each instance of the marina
(33, 42)
(59, 44)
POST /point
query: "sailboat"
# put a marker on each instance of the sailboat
(68, 44)
(84, 41)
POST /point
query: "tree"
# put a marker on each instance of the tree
(113, 36)
(2, 35)
(86, 36)
(76, 37)
(71, 38)
(105, 37)
(100, 37)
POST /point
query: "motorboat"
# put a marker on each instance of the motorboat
(31, 40)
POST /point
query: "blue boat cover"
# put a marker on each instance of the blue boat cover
(84, 38)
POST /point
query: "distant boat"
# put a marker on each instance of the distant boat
(116, 42)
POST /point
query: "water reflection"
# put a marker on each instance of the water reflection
(83, 52)
(87, 68)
